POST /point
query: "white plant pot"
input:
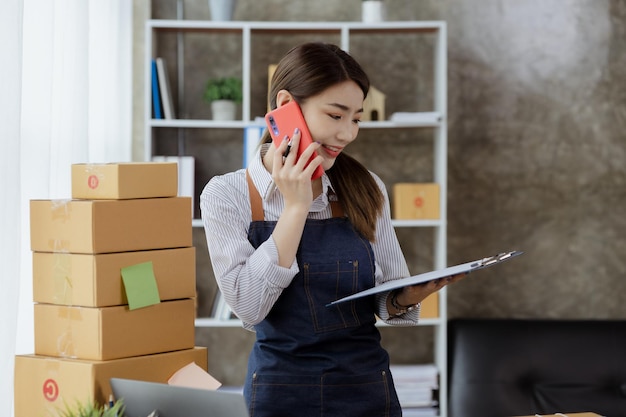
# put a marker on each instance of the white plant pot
(222, 9)
(223, 109)
(372, 11)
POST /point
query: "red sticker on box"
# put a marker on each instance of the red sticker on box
(419, 201)
(50, 390)
(92, 182)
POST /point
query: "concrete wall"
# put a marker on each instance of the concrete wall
(537, 153)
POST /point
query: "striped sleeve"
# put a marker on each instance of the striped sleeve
(250, 280)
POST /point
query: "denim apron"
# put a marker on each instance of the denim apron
(310, 360)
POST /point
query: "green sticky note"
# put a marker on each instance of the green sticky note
(140, 284)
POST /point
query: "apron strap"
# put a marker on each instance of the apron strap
(256, 202)
(335, 206)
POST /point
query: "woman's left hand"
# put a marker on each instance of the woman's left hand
(414, 294)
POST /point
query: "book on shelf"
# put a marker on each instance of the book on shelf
(251, 137)
(416, 385)
(186, 176)
(221, 310)
(164, 89)
(156, 96)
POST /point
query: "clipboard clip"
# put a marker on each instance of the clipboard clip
(493, 259)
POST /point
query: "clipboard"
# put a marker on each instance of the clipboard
(433, 275)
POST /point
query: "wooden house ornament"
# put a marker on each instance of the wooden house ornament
(374, 106)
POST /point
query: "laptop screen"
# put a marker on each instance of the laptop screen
(141, 398)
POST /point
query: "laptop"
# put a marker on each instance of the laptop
(142, 398)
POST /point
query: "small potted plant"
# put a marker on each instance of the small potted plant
(372, 11)
(222, 9)
(91, 409)
(223, 94)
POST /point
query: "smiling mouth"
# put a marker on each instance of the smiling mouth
(332, 150)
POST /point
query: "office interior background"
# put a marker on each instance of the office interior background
(536, 161)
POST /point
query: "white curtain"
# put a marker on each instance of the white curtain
(66, 98)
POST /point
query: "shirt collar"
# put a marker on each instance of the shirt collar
(261, 178)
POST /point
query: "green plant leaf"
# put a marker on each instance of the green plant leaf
(225, 88)
(90, 409)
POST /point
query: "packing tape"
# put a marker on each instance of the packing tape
(65, 341)
(95, 175)
(52, 366)
(61, 209)
(63, 291)
(59, 245)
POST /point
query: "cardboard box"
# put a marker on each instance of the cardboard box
(96, 280)
(44, 385)
(113, 332)
(416, 201)
(430, 307)
(124, 180)
(104, 226)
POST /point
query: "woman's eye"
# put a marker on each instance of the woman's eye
(335, 117)
(356, 121)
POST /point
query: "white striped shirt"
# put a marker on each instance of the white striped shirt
(251, 279)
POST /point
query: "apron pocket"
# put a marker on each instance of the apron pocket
(284, 396)
(369, 395)
(324, 283)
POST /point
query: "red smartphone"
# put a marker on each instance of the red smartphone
(282, 122)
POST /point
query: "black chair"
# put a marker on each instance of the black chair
(509, 367)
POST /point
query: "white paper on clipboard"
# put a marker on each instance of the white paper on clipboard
(432, 275)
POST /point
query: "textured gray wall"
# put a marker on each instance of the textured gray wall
(537, 151)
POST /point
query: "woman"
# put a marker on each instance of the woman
(283, 247)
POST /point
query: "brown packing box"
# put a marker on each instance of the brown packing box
(96, 280)
(416, 201)
(124, 180)
(44, 384)
(113, 332)
(430, 307)
(103, 226)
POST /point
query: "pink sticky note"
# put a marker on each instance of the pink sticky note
(192, 376)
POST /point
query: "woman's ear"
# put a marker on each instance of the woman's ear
(283, 97)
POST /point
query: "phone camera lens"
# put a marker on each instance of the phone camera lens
(273, 125)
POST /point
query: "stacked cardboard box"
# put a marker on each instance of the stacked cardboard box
(113, 286)
(416, 201)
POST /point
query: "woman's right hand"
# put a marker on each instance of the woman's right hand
(291, 174)
(293, 179)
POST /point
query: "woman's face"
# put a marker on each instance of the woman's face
(333, 118)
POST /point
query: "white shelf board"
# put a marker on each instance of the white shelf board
(295, 26)
(417, 223)
(427, 121)
(211, 322)
(198, 123)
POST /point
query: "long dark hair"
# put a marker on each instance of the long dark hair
(306, 71)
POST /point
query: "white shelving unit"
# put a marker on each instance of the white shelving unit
(435, 119)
